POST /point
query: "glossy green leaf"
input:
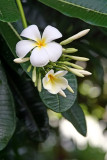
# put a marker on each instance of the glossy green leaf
(58, 103)
(90, 11)
(7, 111)
(8, 11)
(76, 116)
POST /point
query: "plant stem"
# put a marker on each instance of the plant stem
(22, 13)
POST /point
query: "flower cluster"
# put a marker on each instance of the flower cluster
(49, 59)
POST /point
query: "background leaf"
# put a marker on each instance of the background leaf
(8, 11)
(93, 11)
(58, 103)
(7, 111)
(76, 116)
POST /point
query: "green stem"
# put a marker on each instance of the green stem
(22, 13)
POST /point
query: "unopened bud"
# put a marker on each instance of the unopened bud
(76, 36)
(70, 89)
(86, 73)
(80, 58)
(70, 50)
(29, 68)
(76, 72)
(34, 75)
(39, 83)
(21, 60)
(62, 93)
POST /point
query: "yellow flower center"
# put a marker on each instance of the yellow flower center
(51, 77)
(41, 43)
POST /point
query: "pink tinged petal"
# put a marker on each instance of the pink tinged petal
(23, 47)
(31, 32)
(51, 33)
(60, 73)
(54, 51)
(39, 57)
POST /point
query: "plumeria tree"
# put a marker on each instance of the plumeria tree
(43, 54)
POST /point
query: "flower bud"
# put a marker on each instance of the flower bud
(34, 75)
(76, 72)
(29, 68)
(80, 58)
(76, 36)
(62, 93)
(70, 50)
(86, 73)
(70, 89)
(21, 60)
(39, 83)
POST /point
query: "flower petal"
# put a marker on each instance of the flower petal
(31, 32)
(54, 51)
(51, 33)
(23, 47)
(56, 86)
(39, 57)
(60, 73)
(61, 82)
(52, 88)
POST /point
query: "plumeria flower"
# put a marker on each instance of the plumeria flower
(43, 49)
(55, 82)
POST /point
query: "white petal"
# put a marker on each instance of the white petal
(50, 87)
(61, 82)
(23, 47)
(31, 32)
(55, 87)
(60, 73)
(39, 57)
(54, 51)
(51, 33)
(50, 72)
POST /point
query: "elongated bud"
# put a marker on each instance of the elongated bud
(21, 60)
(70, 89)
(39, 83)
(29, 68)
(62, 93)
(76, 66)
(70, 50)
(86, 73)
(71, 64)
(76, 72)
(76, 36)
(80, 58)
(34, 75)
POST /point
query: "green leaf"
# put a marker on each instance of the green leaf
(7, 111)
(58, 103)
(76, 116)
(11, 37)
(8, 11)
(91, 11)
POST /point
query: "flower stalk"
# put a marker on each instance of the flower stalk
(22, 13)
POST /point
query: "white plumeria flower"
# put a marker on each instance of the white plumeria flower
(43, 49)
(55, 82)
